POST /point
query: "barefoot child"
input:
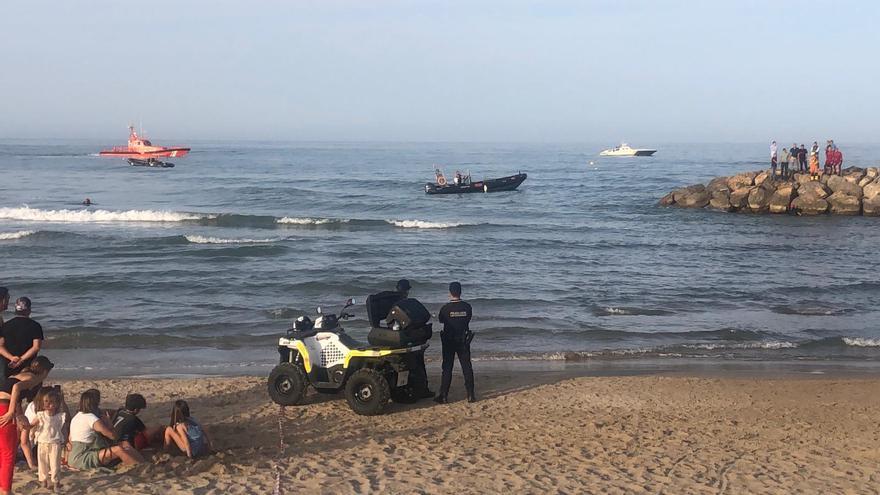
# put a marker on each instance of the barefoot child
(186, 433)
(48, 426)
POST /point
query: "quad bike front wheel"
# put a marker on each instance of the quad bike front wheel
(287, 384)
(367, 392)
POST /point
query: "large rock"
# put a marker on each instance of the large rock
(845, 204)
(759, 199)
(718, 184)
(816, 189)
(872, 172)
(871, 206)
(865, 181)
(739, 198)
(781, 199)
(809, 205)
(802, 178)
(698, 199)
(739, 181)
(667, 200)
(839, 184)
(871, 190)
(763, 177)
(681, 194)
(720, 200)
(854, 177)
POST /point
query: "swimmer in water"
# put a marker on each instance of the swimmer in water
(87, 202)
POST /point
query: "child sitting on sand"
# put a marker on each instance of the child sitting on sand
(128, 427)
(89, 434)
(186, 433)
(48, 425)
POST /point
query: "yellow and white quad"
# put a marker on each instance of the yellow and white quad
(322, 355)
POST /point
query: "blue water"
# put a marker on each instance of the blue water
(202, 266)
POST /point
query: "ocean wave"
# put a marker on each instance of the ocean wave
(861, 342)
(629, 311)
(807, 310)
(309, 221)
(422, 224)
(199, 239)
(8, 236)
(83, 215)
(743, 345)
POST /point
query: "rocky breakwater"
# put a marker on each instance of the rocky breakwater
(855, 192)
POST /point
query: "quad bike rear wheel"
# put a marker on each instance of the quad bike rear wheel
(287, 384)
(367, 392)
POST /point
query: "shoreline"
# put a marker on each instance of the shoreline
(696, 366)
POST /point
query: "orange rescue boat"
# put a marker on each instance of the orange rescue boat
(139, 147)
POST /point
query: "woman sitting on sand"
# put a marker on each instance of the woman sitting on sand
(12, 390)
(186, 433)
(89, 436)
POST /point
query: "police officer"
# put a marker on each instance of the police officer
(456, 338)
(418, 371)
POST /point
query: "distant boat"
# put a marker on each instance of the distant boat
(149, 162)
(625, 150)
(463, 184)
(138, 147)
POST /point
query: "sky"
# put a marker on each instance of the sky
(506, 70)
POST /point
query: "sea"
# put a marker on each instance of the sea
(198, 269)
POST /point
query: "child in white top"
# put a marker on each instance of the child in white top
(48, 426)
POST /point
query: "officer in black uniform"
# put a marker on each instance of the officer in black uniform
(456, 338)
(418, 372)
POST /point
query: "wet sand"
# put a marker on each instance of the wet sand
(535, 430)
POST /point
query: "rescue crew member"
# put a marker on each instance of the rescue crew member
(456, 338)
(419, 373)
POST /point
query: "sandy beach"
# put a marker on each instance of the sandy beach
(536, 433)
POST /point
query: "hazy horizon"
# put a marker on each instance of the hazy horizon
(393, 71)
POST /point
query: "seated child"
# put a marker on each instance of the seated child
(186, 433)
(128, 426)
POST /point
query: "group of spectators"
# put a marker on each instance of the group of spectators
(796, 158)
(91, 438)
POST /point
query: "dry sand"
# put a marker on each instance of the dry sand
(637, 434)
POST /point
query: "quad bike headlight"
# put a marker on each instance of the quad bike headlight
(395, 326)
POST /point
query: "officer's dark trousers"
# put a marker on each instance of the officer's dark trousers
(418, 377)
(451, 348)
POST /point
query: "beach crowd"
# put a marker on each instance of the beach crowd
(798, 158)
(50, 437)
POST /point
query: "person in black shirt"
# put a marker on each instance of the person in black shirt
(4, 302)
(456, 339)
(20, 338)
(128, 426)
(418, 372)
(802, 159)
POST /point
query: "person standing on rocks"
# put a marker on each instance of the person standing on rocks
(773, 158)
(783, 162)
(802, 159)
(829, 158)
(792, 160)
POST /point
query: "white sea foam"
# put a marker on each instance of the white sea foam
(87, 215)
(199, 239)
(308, 221)
(744, 345)
(861, 342)
(8, 236)
(421, 224)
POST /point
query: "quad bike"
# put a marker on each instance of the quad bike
(322, 355)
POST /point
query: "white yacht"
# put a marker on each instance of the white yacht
(625, 150)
